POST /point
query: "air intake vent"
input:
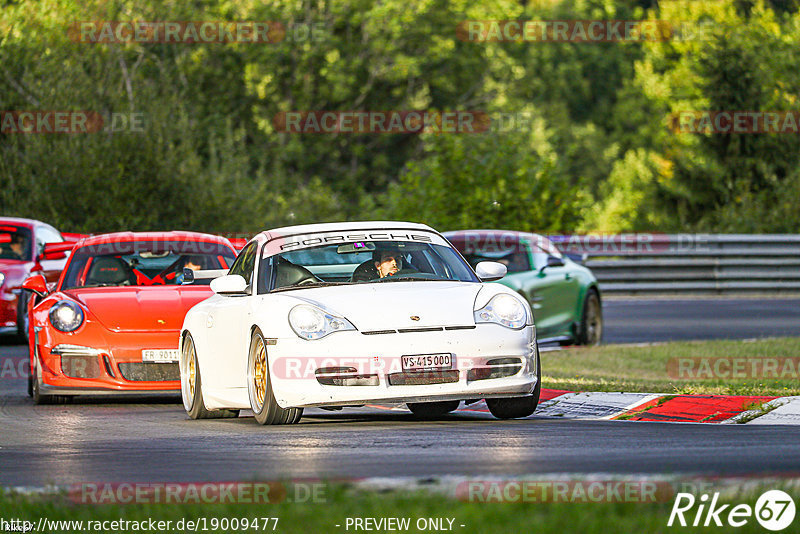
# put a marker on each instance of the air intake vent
(81, 366)
(419, 329)
(423, 378)
(495, 368)
(344, 376)
(149, 372)
(378, 332)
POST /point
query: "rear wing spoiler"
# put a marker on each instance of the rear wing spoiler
(57, 251)
(74, 238)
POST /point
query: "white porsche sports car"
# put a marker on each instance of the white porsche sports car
(345, 314)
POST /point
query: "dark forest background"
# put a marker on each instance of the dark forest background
(594, 153)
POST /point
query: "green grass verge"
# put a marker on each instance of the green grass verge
(635, 368)
(340, 503)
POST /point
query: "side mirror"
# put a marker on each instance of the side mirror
(231, 284)
(489, 271)
(203, 276)
(552, 261)
(188, 275)
(36, 284)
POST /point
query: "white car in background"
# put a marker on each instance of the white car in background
(304, 318)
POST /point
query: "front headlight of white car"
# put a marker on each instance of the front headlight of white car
(311, 322)
(504, 310)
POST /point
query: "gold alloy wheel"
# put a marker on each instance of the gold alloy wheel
(192, 372)
(260, 372)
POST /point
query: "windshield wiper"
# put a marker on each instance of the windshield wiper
(408, 279)
(310, 285)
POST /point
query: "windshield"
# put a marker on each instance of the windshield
(365, 262)
(143, 263)
(15, 243)
(518, 252)
(516, 261)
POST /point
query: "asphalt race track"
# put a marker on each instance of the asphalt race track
(129, 441)
(648, 320)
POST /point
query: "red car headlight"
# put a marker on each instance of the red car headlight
(66, 316)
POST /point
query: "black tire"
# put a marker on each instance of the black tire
(259, 387)
(590, 331)
(22, 317)
(431, 410)
(40, 398)
(191, 389)
(517, 407)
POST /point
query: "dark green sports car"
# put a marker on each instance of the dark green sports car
(563, 294)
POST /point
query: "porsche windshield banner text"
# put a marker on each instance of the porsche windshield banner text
(346, 238)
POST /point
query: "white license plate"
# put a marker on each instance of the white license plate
(160, 355)
(427, 361)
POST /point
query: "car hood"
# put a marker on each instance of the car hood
(8, 262)
(389, 306)
(14, 266)
(140, 308)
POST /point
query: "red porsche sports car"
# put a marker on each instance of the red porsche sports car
(112, 323)
(24, 252)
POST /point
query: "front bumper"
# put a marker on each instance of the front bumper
(115, 369)
(8, 312)
(376, 362)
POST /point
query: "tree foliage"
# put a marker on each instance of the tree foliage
(597, 155)
(497, 181)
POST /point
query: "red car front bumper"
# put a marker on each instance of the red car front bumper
(75, 368)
